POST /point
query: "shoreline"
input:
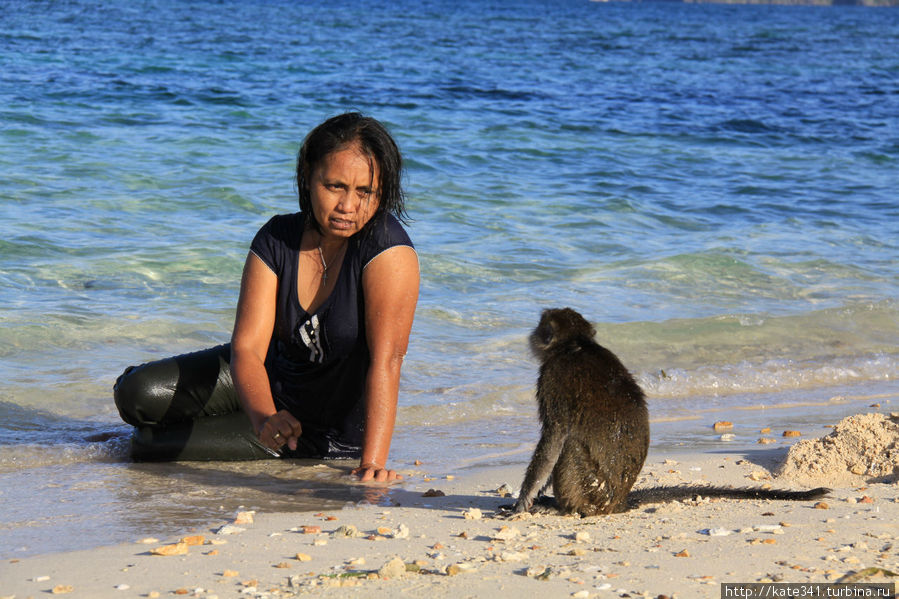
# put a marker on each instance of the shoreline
(442, 536)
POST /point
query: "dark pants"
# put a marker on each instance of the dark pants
(186, 408)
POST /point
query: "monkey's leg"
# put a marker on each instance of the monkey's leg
(542, 463)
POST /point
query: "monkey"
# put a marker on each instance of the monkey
(595, 430)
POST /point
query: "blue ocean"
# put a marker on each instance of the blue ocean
(715, 187)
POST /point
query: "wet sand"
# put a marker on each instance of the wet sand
(436, 535)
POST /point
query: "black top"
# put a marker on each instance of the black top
(317, 363)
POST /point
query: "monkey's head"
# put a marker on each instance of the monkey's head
(558, 325)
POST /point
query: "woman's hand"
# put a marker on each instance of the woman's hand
(278, 429)
(373, 472)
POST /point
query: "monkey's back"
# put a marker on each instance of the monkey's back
(585, 385)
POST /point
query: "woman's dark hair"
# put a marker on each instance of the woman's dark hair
(335, 134)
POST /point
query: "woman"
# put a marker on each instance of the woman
(326, 305)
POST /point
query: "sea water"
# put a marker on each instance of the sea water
(715, 187)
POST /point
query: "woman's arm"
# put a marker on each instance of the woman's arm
(252, 334)
(390, 284)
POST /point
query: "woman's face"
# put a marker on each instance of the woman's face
(343, 190)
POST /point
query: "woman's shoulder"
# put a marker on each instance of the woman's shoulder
(386, 231)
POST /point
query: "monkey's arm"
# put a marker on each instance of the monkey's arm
(547, 453)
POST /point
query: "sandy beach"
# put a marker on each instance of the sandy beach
(436, 535)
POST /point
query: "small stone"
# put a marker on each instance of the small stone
(506, 533)
(213, 552)
(175, 549)
(394, 568)
(346, 531)
(148, 541)
(504, 490)
(244, 517)
(792, 434)
(282, 565)
(757, 475)
(153, 594)
(765, 430)
(311, 530)
(865, 499)
(581, 594)
(858, 469)
(717, 532)
(401, 532)
(229, 529)
(454, 569)
(538, 572)
(194, 540)
(320, 542)
(434, 493)
(472, 514)
(513, 556)
(359, 561)
(821, 505)
(302, 557)
(230, 573)
(723, 425)
(62, 588)
(578, 552)
(450, 477)
(122, 587)
(417, 462)
(766, 441)
(582, 536)
(683, 553)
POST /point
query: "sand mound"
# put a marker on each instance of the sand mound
(861, 448)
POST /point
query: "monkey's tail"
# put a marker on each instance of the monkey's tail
(638, 497)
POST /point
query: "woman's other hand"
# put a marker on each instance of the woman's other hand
(279, 429)
(373, 472)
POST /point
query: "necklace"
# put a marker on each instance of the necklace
(321, 256)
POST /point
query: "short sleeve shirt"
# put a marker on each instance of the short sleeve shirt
(317, 363)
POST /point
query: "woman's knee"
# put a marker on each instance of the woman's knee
(143, 394)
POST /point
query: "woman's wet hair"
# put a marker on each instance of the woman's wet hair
(375, 141)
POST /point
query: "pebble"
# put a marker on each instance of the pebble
(148, 541)
(723, 425)
(506, 533)
(792, 434)
(582, 536)
(122, 587)
(581, 594)
(311, 529)
(229, 529)
(717, 532)
(683, 553)
(194, 540)
(504, 490)
(303, 557)
(346, 531)
(62, 588)
(393, 568)
(821, 505)
(512, 556)
(175, 549)
(244, 517)
(472, 514)
(434, 493)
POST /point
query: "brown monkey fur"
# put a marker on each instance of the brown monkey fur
(595, 429)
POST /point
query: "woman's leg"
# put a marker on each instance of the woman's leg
(186, 408)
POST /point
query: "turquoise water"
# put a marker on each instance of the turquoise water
(715, 187)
